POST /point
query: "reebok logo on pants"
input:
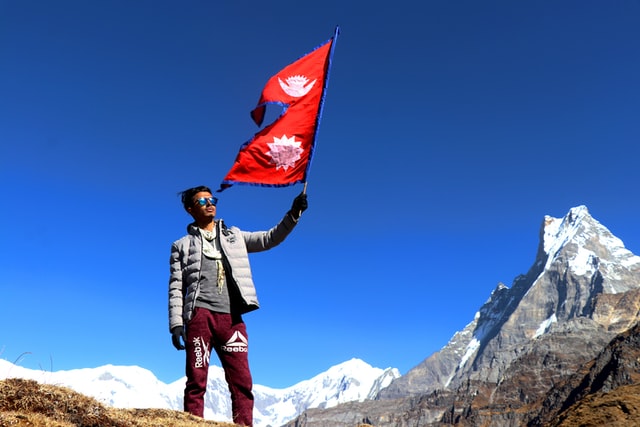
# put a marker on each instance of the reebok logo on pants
(236, 344)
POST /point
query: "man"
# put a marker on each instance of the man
(210, 287)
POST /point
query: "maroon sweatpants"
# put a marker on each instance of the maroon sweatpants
(227, 335)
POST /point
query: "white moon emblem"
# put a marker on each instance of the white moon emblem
(295, 86)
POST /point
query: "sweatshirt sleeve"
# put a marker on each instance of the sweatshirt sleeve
(175, 289)
(257, 241)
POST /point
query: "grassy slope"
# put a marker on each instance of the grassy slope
(29, 403)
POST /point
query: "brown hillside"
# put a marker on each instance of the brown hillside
(617, 408)
(28, 403)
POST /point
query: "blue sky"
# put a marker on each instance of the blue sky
(450, 129)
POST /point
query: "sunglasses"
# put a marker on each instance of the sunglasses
(202, 201)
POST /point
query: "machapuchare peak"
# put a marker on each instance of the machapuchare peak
(505, 366)
(586, 247)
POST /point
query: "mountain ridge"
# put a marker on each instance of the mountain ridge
(580, 292)
(136, 387)
(572, 248)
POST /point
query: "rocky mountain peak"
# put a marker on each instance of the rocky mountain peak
(578, 261)
(557, 231)
(586, 247)
(581, 291)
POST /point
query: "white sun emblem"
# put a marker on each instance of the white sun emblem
(295, 86)
(284, 152)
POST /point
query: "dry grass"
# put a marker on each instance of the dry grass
(28, 403)
(617, 408)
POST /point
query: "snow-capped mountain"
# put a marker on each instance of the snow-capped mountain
(350, 381)
(581, 292)
(578, 263)
(135, 387)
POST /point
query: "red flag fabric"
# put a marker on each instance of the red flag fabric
(280, 154)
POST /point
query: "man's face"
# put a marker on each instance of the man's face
(202, 212)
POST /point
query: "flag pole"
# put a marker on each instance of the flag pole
(321, 106)
(304, 191)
